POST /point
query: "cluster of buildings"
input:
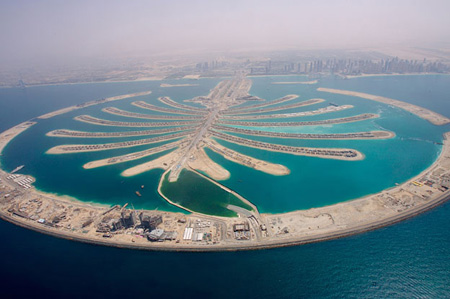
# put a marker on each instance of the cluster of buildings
(303, 123)
(286, 148)
(168, 101)
(21, 180)
(143, 224)
(358, 135)
(289, 115)
(246, 108)
(76, 134)
(104, 122)
(117, 111)
(242, 231)
(144, 105)
(277, 108)
(349, 66)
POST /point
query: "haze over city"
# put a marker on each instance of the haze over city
(42, 31)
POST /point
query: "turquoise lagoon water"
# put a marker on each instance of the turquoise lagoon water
(198, 194)
(313, 182)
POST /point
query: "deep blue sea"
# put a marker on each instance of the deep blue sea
(407, 260)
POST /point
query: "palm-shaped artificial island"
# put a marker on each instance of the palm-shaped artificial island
(184, 131)
(181, 138)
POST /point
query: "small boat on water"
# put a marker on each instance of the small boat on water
(138, 193)
(142, 186)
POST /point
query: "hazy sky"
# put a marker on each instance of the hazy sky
(45, 29)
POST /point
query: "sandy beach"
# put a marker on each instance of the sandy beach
(200, 161)
(264, 166)
(293, 150)
(324, 110)
(298, 82)
(192, 77)
(163, 162)
(343, 136)
(132, 156)
(432, 117)
(82, 134)
(332, 121)
(82, 148)
(8, 135)
(176, 85)
(91, 103)
(109, 123)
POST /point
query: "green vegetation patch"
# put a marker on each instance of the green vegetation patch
(200, 195)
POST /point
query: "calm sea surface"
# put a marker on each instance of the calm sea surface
(406, 260)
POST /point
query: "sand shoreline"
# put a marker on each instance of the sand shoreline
(257, 164)
(92, 103)
(298, 82)
(165, 85)
(238, 247)
(432, 117)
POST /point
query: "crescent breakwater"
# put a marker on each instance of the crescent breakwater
(432, 117)
(92, 103)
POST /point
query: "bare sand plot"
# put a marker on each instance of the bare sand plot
(264, 166)
(132, 156)
(200, 161)
(163, 162)
(297, 82)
